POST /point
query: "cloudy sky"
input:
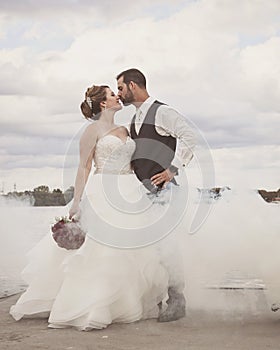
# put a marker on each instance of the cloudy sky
(216, 61)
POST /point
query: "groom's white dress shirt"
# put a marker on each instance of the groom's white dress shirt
(169, 122)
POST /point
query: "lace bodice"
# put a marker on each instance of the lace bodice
(112, 155)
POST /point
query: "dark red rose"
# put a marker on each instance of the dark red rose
(68, 235)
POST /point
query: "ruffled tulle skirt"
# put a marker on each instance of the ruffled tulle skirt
(91, 287)
(113, 276)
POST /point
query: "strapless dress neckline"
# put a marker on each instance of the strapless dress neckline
(113, 155)
(116, 137)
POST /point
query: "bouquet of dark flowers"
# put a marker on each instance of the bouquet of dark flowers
(67, 233)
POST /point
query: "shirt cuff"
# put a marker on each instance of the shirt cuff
(173, 169)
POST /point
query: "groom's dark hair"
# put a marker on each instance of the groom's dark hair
(134, 75)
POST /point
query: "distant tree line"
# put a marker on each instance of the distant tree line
(41, 196)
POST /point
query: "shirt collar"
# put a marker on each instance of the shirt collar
(146, 105)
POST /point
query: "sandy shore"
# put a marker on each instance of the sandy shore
(201, 330)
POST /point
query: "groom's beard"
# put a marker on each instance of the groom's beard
(128, 99)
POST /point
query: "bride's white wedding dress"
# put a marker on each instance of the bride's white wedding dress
(97, 284)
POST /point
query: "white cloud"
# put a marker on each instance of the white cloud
(29, 178)
(216, 62)
(14, 57)
(260, 65)
(250, 167)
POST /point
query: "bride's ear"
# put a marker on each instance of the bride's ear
(103, 104)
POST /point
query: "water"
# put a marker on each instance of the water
(237, 248)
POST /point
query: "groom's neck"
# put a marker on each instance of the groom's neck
(140, 97)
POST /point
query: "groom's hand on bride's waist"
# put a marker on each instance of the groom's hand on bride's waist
(164, 177)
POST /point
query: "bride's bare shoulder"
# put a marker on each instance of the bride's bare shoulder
(122, 129)
(90, 133)
(91, 129)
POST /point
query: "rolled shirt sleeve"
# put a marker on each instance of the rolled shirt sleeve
(169, 122)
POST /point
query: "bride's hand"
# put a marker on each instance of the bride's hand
(74, 210)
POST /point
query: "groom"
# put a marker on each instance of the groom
(155, 129)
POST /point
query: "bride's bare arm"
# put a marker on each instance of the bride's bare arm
(87, 145)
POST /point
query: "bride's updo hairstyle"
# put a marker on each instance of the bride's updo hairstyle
(94, 95)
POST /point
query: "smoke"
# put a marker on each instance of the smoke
(16, 201)
(21, 227)
(237, 246)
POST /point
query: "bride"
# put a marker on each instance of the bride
(101, 282)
